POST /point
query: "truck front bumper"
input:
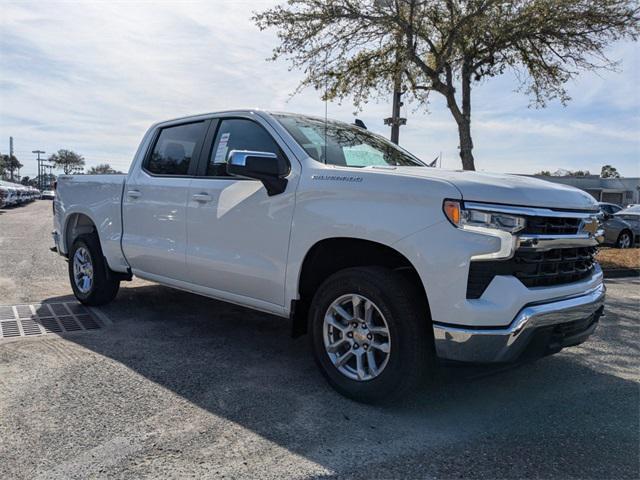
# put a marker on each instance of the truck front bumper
(538, 329)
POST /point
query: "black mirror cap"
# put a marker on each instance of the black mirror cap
(267, 167)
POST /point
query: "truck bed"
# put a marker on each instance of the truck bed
(98, 197)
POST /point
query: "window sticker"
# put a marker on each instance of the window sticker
(221, 152)
(312, 135)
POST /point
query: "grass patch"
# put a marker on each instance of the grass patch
(612, 258)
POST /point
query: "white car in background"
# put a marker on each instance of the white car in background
(48, 195)
(9, 195)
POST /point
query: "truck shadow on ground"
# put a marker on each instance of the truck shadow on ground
(244, 367)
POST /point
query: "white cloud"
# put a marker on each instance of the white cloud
(92, 76)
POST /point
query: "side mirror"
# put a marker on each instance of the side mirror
(263, 166)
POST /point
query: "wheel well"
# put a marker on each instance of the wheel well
(77, 224)
(331, 255)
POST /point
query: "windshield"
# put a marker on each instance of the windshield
(338, 143)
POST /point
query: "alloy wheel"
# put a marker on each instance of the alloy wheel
(83, 270)
(356, 337)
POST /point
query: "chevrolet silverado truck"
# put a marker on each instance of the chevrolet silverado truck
(389, 265)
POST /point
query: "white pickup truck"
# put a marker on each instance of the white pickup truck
(388, 264)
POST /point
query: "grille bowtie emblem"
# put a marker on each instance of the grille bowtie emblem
(589, 225)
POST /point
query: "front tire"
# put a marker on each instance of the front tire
(92, 281)
(370, 334)
(625, 239)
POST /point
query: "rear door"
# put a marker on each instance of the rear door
(238, 236)
(154, 204)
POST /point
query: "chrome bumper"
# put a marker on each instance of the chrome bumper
(488, 345)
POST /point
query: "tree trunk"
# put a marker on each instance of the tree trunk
(464, 123)
(462, 117)
(466, 144)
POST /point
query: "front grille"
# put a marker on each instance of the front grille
(551, 226)
(534, 268)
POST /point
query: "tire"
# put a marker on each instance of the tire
(103, 285)
(625, 239)
(394, 302)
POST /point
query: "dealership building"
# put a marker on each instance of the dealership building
(621, 191)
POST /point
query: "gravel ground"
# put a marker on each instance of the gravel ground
(183, 386)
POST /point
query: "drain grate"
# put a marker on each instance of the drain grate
(46, 318)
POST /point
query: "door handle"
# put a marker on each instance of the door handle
(134, 194)
(202, 197)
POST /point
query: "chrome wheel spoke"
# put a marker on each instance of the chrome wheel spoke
(335, 346)
(368, 312)
(335, 323)
(360, 366)
(383, 347)
(342, 312)
(342, 359)
(379, 331)
(356, 302)
(371, 363)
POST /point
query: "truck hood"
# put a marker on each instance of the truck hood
(507, 189)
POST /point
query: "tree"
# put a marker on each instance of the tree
(543, 173)
(609, 172)
(9, 165)
(103, 168)
(68, 160)
(45, 181)
(27, 181)
(358, 47)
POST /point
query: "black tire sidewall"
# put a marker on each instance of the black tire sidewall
(409, 336)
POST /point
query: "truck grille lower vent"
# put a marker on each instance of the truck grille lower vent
(534, 269)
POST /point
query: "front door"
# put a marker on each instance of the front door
(154, 238)
(238, 236)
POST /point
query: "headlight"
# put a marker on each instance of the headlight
(473, 219)
(486, 222)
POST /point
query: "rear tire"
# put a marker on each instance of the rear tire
(393, 306)
(92, 281)
(625, 239)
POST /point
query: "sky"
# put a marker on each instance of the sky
(93, 76)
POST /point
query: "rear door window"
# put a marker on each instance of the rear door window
(174, 149)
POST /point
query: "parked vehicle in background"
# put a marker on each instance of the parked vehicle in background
(620, 229)
(48, 194)
(609, 208)
(385, 262)
(9, 194)
(631, 215)
(14, 194)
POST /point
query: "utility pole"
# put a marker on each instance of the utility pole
(395, 120)
(11, 158)
(38, 152)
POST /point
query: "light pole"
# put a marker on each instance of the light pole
(39, 152)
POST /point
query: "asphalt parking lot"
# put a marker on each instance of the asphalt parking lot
(176, 385)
